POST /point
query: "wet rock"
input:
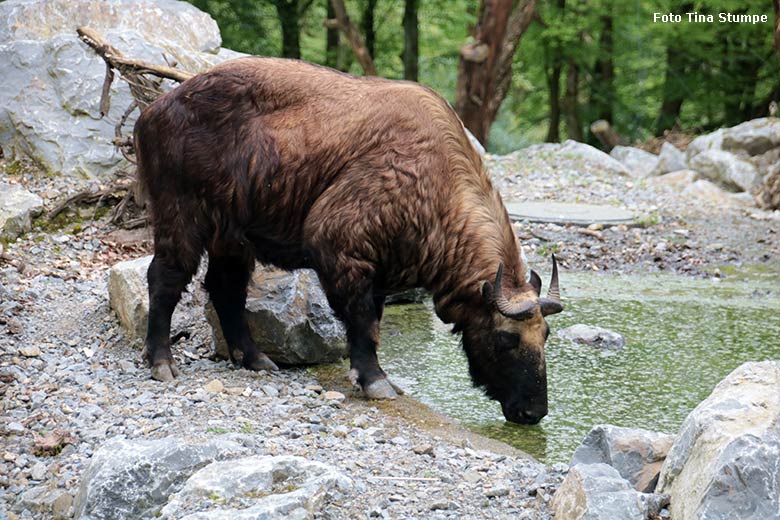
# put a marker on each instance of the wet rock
(725, 460)
(670, 159)
(17, 208)
(706, 191)
(51, 82)
(635, 453)
(133, 479)
(677, 180)
(289, 319)
(726, 169)
(754, 137)
(128, 294)
(251, 488)
(640, 164)
(596, 492)
(592, 335)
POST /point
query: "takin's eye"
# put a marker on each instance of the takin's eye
(506, 340)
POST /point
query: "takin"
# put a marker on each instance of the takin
(372, 183)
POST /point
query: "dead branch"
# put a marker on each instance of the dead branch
(344, 24)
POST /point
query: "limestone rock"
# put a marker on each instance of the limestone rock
(640, 164)
(592, 335)
(55, 503)
(17, 209)
(51, 82)
(677, 180)
(597, 491)
(635, 453)
(726, 169)
(726, 458)
(133, 479)
(754, 137)
(706, 191)
(289, 319)
(255, 488)
(670, 159)
(592, 157)
(128, 294)
(703, 143)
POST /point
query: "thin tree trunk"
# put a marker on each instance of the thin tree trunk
(289, 19)
(331, 40)
(411, 41)
(554, 88)
(603, 90)
(571, 102)
(485, 66)
(673, 91)
(368, 26)
(344, 24)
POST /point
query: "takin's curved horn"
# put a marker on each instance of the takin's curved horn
(551, 304)
(518, 311)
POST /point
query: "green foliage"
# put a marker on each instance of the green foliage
(728, 72)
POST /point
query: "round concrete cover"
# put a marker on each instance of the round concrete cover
(568, 213)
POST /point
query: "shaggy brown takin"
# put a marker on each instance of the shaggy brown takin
(372, 183)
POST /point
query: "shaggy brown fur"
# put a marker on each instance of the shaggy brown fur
(372, 183)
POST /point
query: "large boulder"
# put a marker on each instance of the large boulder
(753, 137)
(640, 164)
(133, 479)
(703, 143)
(676, 181)
(703, 190)
(635, 453)
(289, 319)
(597, 491)
(255, 488)
(726, 169)
(725, 461)
(17, 209)
(768, 194)
(670, 159)
(51, 82)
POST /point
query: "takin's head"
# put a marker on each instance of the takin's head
(506, 354)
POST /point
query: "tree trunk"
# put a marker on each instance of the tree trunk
(344, 24)
(368, 26)
(554, 89)
(571, 106)
(673, 91)
(485, 65)
(411, 41)
(602, 99)
(289, 19)
(331, 40)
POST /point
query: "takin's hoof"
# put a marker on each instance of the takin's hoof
(263, 362)
(165, 372)
(381, 388)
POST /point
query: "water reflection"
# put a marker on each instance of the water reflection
(683, 336)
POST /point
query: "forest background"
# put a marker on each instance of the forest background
(576, 61)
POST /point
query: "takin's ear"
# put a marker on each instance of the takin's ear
(536, 282)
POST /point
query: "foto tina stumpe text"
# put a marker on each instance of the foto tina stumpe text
(695, 17)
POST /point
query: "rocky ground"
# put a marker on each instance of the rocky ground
(71, 379)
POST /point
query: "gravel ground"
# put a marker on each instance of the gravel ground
(69, 374)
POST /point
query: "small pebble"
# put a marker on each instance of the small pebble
(214, 386)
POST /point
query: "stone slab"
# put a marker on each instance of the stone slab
(569, 213)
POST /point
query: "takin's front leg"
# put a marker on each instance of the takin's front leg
(362, 322)
(226, 283)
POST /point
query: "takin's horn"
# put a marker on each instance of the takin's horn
(518, 311)
(551, 304)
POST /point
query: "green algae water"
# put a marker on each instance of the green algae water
(683, 335)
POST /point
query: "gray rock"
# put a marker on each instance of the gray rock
(133, 479)
(596, 492)
(670, 159)
(726, 458)
(706, 191)
(41, 499)
(591, 335)
(17, 209)
(640, 164)
(289, 319)
(592, 157)
(51, 82)
(703, 143)
(635, 453)
(256, 488)
(677, 181)
(754, 137)
(726, 169)
(550, 159)
(128, 294)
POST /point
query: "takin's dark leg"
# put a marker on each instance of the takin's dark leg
(226, 282)
(168, 276)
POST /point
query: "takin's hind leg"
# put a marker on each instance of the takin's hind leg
(168, 276)
(226, 283)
